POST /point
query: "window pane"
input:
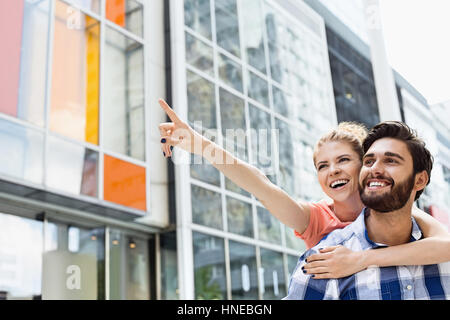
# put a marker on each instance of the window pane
(206, 207)
(33, 61)
(231, 186)
(25, 152)
(232, 112)
(93, 5)
(268, 226)
(124, 183)
(253, 34)
(240, 219)
(201, 101)
(124, 96)
(244, 278)
(292, 263)
(261, 136)
(258, 89)
(230, 72)
(227, 26)
(75, 75)
(72, 168)
(126, 14)
(21, 257)
(294, 242)
(169, 273)
(209, 267)
(286, 173)
(129, 267)
(73, 263)
(202, 170)
(197, 16)
(273, 271)
(199, 54)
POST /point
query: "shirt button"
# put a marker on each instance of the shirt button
(409, 287)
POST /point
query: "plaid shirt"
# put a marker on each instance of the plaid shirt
(375, 283)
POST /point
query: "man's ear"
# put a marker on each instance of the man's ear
(421, 180)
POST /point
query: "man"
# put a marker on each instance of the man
(396, 169)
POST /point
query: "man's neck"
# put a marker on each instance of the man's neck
(390, 228)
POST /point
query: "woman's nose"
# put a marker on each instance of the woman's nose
(334, 169)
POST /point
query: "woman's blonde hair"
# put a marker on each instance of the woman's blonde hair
(353, 133)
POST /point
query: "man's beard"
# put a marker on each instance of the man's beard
(388, 201)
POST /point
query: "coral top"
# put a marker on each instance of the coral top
(322, 221)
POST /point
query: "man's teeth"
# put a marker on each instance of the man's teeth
(377, 184)
(335, 183)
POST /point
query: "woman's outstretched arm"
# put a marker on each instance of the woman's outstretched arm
(338, 261)
(178, 133)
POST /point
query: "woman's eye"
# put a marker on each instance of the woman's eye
(368, 162)
(344, 159)
(321, 167)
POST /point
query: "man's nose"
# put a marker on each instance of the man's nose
(377, 168)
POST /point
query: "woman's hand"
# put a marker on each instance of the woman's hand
(178, 133)
(334, 262)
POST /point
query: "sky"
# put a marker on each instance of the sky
(417, 39)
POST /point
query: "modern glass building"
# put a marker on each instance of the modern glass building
(89, 207)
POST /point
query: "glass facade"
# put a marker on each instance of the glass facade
(353, 83)
(240, 85)
(72, 122)
(69, 131)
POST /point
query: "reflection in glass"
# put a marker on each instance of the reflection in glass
(232, 112)
(124, 96)
(202, 170)
(273, 274)
(269, 228)
(201, 101)
(21, 247)
(33, 63)
(258, 89)
(261, 136)
(25, 152)
(244, 279)
(209, 267)
(230, 72)
(253, 34)
(129, 267)
(206, 207)
(292, 263)
(74, 258)
(127, 14)
(227, 26)
(72, 168)
(199, 54)
(169, 273)
(75, 75)
(294, 242)
(240, 219)
(93, 5)
(197, 16)
(286, 170)
(280, 103)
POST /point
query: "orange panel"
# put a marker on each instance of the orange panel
(11, 19)
(92, 78)
(115, 11)
(75, 75)
(124, 183)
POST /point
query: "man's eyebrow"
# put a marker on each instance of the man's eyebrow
(387, 154)
(392, 154)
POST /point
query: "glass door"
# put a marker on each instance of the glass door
(73, 262)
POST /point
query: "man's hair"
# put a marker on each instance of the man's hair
(422, 158)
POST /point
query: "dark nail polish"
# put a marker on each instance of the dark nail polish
(163, 140)
(306, 260)
(304, 271)
(171, 148)
(164, 153)
(313, 276)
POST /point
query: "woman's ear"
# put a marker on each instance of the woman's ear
(421, 180)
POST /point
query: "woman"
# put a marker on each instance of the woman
(338, 160)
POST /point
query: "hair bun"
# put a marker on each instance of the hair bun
(356, 129)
